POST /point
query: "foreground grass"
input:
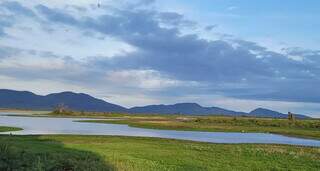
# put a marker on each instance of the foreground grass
(299, 128)
(130, 153)
(7, 129)
(34, 153)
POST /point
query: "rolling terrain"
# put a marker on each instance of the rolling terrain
(83, 102)
(96, 153)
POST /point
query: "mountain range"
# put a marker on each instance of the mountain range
(83, 102)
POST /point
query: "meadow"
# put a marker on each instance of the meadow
(59, 152)
(75, 152)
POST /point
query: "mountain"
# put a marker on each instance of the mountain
(75, 101)
(183, 108)
(84, 102)
(261, 112)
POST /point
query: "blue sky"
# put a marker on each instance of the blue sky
(285, 22)
(237, 54)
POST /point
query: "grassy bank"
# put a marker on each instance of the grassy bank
(129, 153)
(299, 128)
(7, 129)
(35, 153)
(23, 112)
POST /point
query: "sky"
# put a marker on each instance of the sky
(236, 54)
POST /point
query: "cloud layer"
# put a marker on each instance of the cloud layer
(119, 49)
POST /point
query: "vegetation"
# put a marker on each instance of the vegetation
(33, 153)
(300, 128)
(7, 129)
(23, 111)
(135, 154)
(307, 128)
(71, 152)
(82, 114)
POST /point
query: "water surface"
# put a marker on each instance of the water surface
(44, 125)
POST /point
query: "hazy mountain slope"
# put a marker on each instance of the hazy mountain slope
(75, 101)
(85, 102)
(183, 108)
(261, 112)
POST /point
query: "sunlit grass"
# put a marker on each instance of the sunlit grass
(8, 129)
(136, 154)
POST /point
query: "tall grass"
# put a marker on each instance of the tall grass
(57, 158)
(140, 154)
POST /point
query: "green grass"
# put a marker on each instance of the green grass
(33, 153)
(299, 128)
(7, 129)
(136, 154)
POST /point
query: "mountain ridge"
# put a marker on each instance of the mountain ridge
(84, 102)
(76, 101)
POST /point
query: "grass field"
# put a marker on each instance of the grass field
(136, 154)
(7, 129)
(71, 152)
(298, 128)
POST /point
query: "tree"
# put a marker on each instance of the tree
(60, 108)
(291, 116)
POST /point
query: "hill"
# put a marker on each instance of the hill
(83, 102)
(262, 112)
(183, 108)
(75, 101)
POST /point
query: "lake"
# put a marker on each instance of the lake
(44, 125)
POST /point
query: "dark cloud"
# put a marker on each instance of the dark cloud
(11, 10)
(144, 2)
(4, 23)
(175, 19)
(55, 15)
(6, 52)
(211, 27)
(17, 8)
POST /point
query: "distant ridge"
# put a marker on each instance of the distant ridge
(84, 102)
(183, 108)
(75, 101)
(261, 112)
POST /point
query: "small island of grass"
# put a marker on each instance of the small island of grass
(299, 128)
(8, 129)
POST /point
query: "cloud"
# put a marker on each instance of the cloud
(214, 62)
(7, 52)
(211, 27)
(144, 79)
(156, 57)
(17, 8)
(55, 15)
(4, 23)
(175, 19)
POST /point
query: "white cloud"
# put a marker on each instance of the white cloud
(162, 76)
(63, 41)
(145, 79)
(32, 62)
(41, 86)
